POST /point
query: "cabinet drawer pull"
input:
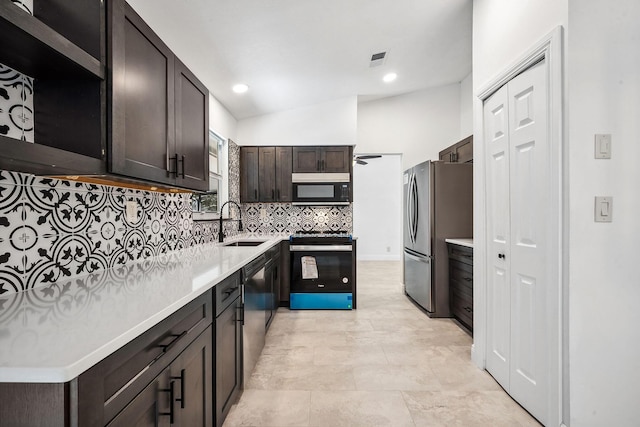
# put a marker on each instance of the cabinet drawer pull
(181, 379)
(174, 159)
(468, 279)
(240, 314)
(171, 399)
(255, 194)
(278, 194)
(318, 166)
(273, 194)
(182, 161)
(166, 347)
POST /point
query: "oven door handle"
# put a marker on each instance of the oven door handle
(320, 248)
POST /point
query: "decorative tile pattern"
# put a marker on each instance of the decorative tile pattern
(286, 218)
(16, 104)
(234, 171)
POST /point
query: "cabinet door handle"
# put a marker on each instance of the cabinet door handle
(182, 167)
(468, 279)
(166, 347)
(240, 314)
(181, 379)
(318, 166)
(174, 159)
(278, 194)
(502, 256)
(273, 194)
(324, 166)
(255, 193)
(171, 399)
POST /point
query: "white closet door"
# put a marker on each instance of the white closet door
(529, 182)
(496, 122)
(516, 134)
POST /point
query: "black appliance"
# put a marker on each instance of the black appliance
(322, 271)
(321, 188)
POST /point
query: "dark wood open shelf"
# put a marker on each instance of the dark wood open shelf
(33, 48)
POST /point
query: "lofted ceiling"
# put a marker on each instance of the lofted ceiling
(295, 53)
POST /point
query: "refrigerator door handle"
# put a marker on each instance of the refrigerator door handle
(409, 207)
(425, 259)
(415, 208)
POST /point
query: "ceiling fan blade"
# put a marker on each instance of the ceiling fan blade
(369, 156)
(361, 162)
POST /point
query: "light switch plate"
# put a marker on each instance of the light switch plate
(132, 210)
(603, 146)
(604, 209)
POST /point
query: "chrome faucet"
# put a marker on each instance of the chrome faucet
(220, 231)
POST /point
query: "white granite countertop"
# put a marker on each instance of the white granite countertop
(53, 333)
(462, 242)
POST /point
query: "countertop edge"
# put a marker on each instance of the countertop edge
(461, 242)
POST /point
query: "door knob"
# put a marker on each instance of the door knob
(502, 256)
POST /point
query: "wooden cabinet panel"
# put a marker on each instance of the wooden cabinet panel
(192, 374)
(460, 152)
(192, 129)
(464, 151)
(322, 159)
(461, 283)
(267, 174)
(145, 409)
(306, 159)
(159, 109)
(142, 115)
(228, 359)
(284, 166)
(249, 173)
(336, 159)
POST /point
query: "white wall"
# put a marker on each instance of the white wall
(604, 97)
(377, 208)
(220, 119)
(504, 29)
(329, 123)
(417, 124)
(466, 106)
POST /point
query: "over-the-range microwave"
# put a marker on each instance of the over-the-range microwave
(321, 188)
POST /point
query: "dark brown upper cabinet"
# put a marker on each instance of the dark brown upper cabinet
(265, 174)
(460, 152)
(63, 50)
(322, 159)
(159, 109)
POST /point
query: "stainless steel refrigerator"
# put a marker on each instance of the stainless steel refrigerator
(438, 204)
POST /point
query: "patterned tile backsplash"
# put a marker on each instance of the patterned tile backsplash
(52, 230)
(16, 105)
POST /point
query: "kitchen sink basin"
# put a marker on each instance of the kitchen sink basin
(245, 243)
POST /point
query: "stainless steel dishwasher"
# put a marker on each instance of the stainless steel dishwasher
(253, 298)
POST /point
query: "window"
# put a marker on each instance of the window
(206, 205)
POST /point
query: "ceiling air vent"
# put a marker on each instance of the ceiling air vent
(377, 59)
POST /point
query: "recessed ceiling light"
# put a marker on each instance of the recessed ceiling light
(388, 78)
(240, 88)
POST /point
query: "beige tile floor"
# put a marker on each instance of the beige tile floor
(384, 364)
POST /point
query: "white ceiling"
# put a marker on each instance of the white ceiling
(294, 53)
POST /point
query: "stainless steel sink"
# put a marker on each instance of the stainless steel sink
(245, 243)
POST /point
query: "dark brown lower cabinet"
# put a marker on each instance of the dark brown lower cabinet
(228, 339)
(461, 284)
(180, 395)
(131, 387)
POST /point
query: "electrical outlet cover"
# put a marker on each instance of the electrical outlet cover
(132, 211)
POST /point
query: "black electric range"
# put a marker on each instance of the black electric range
(322, 270)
